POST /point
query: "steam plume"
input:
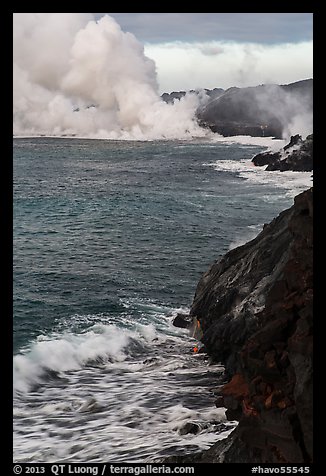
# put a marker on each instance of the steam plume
(73, 75)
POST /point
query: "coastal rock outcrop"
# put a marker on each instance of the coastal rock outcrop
(254, 306)
(297, 155)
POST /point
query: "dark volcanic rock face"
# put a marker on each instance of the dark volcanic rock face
(255, 310)
(296, 156)
(266, 158)
(176, 95)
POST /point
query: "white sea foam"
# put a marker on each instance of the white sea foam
(67, 352)
(118, 393)
(269, 142)
(290, 182)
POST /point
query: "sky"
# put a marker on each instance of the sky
(207, 50)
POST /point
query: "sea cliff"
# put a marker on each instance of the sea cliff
(254, 308)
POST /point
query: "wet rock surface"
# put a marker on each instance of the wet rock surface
(254, 306)
(297, 156)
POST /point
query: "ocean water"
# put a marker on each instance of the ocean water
(110, 240)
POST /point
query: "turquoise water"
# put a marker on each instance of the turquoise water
(110, 240)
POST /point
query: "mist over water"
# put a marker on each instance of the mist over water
(77, 76)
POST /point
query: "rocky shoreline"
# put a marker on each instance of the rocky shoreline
(297, 156)
(254, 311)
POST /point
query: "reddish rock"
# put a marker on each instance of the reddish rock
(237, 387)
(255, 308)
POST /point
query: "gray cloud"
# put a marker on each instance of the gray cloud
(266, 28)
(212, 64)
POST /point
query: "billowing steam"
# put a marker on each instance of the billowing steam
(291, 110)
(76, 76)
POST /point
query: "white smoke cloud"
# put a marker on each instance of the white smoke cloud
(74, 75)
(293, 112)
